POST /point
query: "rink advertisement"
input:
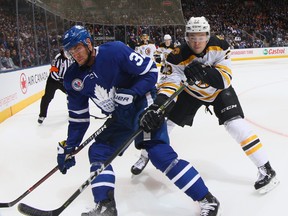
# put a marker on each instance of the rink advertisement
(259, 53)
(20, 88)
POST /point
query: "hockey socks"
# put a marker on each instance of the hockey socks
(187, 179)
(103, 183)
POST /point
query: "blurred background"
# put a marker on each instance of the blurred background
(31, 30)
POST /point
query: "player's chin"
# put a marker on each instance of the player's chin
(81, 61)
(197, 50)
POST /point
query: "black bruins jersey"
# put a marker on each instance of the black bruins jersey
(215, 55)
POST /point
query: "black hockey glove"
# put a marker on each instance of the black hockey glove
(151, 119)
(196, 71)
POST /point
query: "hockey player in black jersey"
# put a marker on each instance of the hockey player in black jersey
(205, 60)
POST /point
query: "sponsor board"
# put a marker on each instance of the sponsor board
(19, 85)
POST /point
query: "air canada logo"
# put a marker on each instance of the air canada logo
(23, 83)
(77, 84)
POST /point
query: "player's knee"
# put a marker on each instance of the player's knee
(162, 156)
(232, 119)
(99, 152)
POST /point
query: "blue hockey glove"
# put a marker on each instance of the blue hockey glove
(65, 162)
(151, 119)
(124, 107)
(196, 72)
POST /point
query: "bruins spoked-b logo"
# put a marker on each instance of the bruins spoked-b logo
(148, 51)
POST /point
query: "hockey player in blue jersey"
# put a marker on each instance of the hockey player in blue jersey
(121, 82)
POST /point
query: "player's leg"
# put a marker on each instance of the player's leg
(103, 185)
(180, 171)
(106, 144)
(142, 162)
(229, 112)
(50, 89)
(182, 114)
(250, 143)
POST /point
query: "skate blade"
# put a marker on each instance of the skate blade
(273, 184)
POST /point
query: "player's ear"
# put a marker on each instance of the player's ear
(89, 43)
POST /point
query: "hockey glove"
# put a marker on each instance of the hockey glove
(151, 119)
(196, 72)
(124, 107)
(63, 159)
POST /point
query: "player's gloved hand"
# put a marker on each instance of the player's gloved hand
(63, 159)
(196, 72)
(151, 119)
(124, 107)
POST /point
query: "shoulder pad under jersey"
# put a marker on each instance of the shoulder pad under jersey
(217, 41)
(179, 54)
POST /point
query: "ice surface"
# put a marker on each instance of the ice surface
(28, 152)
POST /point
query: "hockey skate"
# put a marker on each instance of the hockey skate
(103, 208)
(209, 206)
(266, 179)
(41, 119)
(139, 166)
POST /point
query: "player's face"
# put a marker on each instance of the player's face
(145, 38)
(79, 53)
(167, 42)
(197, 41)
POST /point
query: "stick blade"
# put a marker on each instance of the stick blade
(5, 205)
(31, 211)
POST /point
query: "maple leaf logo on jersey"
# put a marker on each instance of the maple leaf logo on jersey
(104, 98)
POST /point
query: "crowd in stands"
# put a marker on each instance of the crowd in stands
(244, 24)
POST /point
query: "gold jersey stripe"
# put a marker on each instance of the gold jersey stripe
(188, 61)
(226, 77)
(166, 91)
(215, 48)
(168, 85)
(224, 68)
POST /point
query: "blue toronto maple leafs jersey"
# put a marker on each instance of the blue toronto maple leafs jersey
(116, 66)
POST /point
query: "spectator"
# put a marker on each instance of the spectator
(7, 61)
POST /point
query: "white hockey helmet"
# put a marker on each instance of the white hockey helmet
(197, 24)
(167, 37)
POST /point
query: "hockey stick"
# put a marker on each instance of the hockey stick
(31, 211)
(86, 142)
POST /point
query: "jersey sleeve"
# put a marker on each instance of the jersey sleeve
(144, 68)
(222, 64)
(173, 79)
(79, 118)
